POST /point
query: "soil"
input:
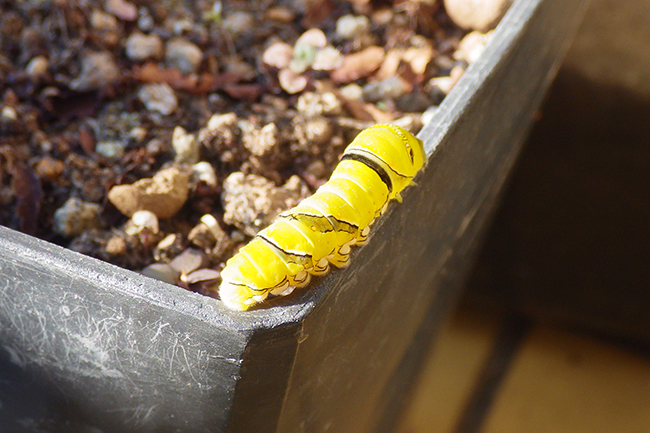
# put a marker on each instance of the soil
(241, 108)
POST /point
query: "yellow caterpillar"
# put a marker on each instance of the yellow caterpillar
(305, 240)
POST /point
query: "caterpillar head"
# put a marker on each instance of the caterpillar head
(396, 150)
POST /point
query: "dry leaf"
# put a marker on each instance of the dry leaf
(247, 92)
(358, 65)
(205, 83)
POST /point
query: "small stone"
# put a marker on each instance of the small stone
(352, 91)
(252, 202)
(122, 9)
(415, 102)
(183, 55)
(186, 146)
(208, 235)
(429, 115)
(239, 22)
(327, 59)
(182, 25)
(351, 26)
(142, 220)
(157, 147)
(168, 248)
(313, 104)
(76, 216)
(8, 114)
(161, 272)
(441, 85)
(317, 132)
(146, 22)
(204, 172)
(481, 15)
(37, 67)
(219, 121)
(390, 88)
(110, 149)
(98, 70)
(292, 82)
(262, 142)
(164, 194)
(141, 47)
(472, 46)
(445, 84)
(278, 55)
(116, 246)
(188, 261)
(419, 57)
(312, 37)
(158, 97)
(103, 22)
(49, 169)
(138, 134)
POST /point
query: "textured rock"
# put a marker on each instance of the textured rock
(481, 15)
(164, 194)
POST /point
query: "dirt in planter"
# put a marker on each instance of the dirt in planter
(168, 133)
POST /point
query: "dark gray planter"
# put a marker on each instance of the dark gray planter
(87, 343)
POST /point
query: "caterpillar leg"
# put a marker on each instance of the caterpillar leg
(321, 267)
(362, 237)
(341, 257)
(301, 279)
(240, 297)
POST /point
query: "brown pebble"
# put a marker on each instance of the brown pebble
(116, 246)
(49, 169)
(164, 194)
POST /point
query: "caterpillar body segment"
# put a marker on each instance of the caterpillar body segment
(321, 231)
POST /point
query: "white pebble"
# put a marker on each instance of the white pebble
(183, 55)
(110, 149)
(37, 67)
(142, 220)
(76, 216)
(8, 114)
(350, 26)
(472, 46)
(158, 97)
(203, 171)
(98, 70)
(141, 47)
(186, 147)
(390, 88)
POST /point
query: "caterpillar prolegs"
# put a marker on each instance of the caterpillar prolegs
(319, 232)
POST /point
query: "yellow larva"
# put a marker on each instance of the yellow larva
(305, 240)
